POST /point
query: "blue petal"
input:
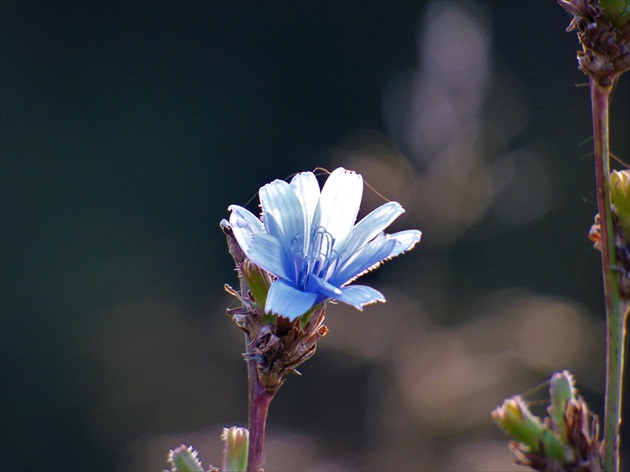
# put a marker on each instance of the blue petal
(306, 188)
(360, 295)
(287, 301)
(320, 286)
(267, 252)
(405, 240)
(339, 203)
(273, 227)
(355, 295)
(366, 258)
(370, 256)
(367, 229)
(279, 202)
(245, 225)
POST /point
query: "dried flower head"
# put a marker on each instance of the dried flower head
(605, 39)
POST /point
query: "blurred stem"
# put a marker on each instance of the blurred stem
(615, 329)
(259, 400)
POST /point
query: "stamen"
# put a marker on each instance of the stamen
(331, 265)
(319, 259)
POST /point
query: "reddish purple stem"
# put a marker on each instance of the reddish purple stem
(259, 400)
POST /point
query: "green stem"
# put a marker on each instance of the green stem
(259, 400)
(615, 329)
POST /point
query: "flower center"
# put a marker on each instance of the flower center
(320, 259)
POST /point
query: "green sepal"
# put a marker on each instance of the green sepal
(306, 317)
(184, 459)
(258, 282)
(269, 318)
(235, 449)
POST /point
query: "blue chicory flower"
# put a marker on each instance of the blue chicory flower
(309, 241)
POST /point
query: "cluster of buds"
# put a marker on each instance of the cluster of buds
(566, 440)
(603, 28)
(620, 199)
(276, 344)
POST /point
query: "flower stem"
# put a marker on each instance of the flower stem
(259, 400)
(615, 329)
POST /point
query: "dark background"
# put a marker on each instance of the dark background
(129, 127)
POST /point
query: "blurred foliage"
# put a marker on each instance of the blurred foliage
(129, 127)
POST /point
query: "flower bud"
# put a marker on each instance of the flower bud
(518, 422)
(236, 447)
(184, 459)
(561, 391)
(620, 197)
(567, 440)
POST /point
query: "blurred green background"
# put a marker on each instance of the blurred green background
(129, 127)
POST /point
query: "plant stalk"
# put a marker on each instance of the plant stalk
(259, 400)
(615, 329)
